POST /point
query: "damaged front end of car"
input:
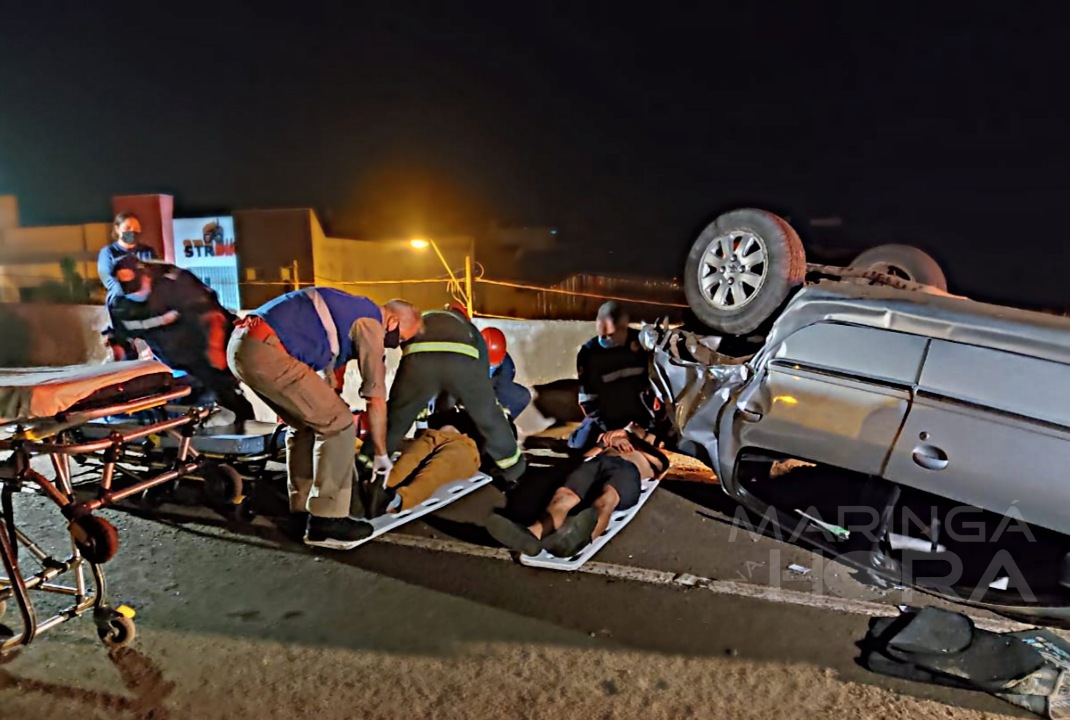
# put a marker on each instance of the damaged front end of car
(694, 382)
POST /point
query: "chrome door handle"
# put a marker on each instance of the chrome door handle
(930, 457)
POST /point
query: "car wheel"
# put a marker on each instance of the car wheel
(741, 269)
(904, 261)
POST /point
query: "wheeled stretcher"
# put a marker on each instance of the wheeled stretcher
(66, 418)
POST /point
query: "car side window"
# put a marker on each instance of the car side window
(855, 351)
(1017, 384)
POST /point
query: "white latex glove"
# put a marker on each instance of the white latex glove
(381, 468)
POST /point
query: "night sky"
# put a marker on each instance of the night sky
(937, 124)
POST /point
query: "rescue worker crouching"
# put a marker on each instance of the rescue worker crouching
(613, 374)
(449, 357)
(182, 322)
(278, 351)
(511, 395)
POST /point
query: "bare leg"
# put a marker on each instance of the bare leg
(556, 512)
(606, 503)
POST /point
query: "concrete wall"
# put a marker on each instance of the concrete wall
(30, 256)
(9, 212)
(50, 335)
(37, 334)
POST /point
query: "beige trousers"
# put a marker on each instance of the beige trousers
(321, 436)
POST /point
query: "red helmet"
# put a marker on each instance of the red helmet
(458, 308)
(495, 340)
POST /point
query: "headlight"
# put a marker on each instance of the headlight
(648, 337)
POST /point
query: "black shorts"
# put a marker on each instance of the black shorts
(594, 474)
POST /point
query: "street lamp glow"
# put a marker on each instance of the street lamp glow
(423, 243)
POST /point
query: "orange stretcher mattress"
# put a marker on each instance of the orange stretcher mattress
(44, 392)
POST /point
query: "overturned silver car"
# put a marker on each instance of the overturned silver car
(928, 404)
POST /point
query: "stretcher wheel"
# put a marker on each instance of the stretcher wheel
(96, 538)
(154, 497)
(117, 632)
(224, 486)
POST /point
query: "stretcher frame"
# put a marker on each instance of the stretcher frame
(243, 456)
(94, 540)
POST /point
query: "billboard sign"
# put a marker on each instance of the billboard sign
(205, 241)
(205, 247)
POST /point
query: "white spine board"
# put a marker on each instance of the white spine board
(617, 521)
(449, 493)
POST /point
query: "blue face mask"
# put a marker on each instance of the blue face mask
(606, 342)
(139, 296)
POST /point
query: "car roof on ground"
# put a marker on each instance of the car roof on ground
(1026, 332)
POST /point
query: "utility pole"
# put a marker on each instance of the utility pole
(468, 285)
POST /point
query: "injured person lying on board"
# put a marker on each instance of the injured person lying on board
(435, 457)
(609, 479)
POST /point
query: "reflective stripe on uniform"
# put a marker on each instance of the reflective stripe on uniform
(442, 347)
(623, 373)
(588, 397)
(152, 322)
(506, 463)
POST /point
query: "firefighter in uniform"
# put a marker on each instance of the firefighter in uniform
(183, 324)
(449, 357)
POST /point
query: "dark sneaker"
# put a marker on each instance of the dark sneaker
(378, 499)
(336, 533)
(573, 535)
(513, 535)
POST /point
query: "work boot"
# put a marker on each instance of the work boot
(378, 499)
(573, 535)
(513, 535)
(336, 533)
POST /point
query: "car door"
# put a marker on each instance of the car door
(991, 429)
(834, 394)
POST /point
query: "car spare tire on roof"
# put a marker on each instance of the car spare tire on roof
(904, 261)
(741, 269)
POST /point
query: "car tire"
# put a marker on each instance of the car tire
(741, 268)
(904, 261)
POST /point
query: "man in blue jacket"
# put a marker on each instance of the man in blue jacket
(292, 352)
(126, 241)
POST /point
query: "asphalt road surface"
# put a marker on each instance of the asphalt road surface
(682, 615)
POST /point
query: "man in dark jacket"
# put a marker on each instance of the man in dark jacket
(183, 324)
(449, 357)
(613, 374)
